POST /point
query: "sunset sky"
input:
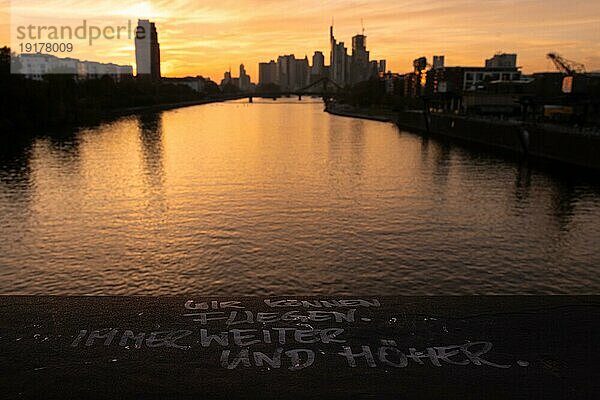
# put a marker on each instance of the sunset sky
(206, 37)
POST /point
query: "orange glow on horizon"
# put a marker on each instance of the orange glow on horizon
(206, 38)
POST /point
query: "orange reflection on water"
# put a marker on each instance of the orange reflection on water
(282, 198)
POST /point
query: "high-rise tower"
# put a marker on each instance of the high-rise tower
(360, 59)
(147, 50)
(337, 60)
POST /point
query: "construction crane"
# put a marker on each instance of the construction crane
(565, 66)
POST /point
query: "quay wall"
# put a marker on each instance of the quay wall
(545, 141)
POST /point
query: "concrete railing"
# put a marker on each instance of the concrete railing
(330, 347)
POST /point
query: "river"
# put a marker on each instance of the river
(280, 198)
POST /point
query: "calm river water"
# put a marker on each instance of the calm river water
(280, 198)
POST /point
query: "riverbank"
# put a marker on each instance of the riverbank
(170, 106)
(95, 118)
(544, 141)
(374, 114)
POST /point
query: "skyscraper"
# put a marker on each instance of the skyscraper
(338, 60)
(318, 62)
(286, 72)
(317, 70)
(147, 50)
(360, 70)
(226, 78)
(244, 80)
(267, 72)
(302, 73)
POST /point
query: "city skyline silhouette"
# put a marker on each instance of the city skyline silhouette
(206, 38)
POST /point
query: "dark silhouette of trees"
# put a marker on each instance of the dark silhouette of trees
(60, 99)
(372, 93)
(230, 88)
(4, 60)
(365, 93)
(211, 88)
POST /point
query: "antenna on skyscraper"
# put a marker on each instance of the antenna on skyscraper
(331, 30)
(363, 26)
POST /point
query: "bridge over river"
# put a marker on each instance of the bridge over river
(325, 88)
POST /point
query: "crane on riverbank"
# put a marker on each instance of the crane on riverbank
(565, 66)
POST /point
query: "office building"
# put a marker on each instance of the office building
(286, 72)
(318, 64)
(147, 50)
(35, 66)
(343, 69)
(452, 84)
(197, 83)
(302, 73)
(244, 83)
(267, 73)
(438, 62)
(360, 67)
(502, 60)
(338, 60)
(226, 78)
